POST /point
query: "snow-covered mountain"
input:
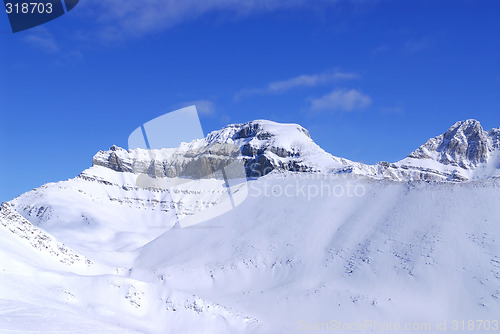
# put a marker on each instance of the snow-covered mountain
(462, 153)
(465, 145)
(318, 238)
(262, 145)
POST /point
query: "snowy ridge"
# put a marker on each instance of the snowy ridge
(102, 211)
(13, 222)
(465, 152)
(271, 145)
(264, 146)
(462, 153)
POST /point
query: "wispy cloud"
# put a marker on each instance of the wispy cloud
(204, 107)
(414, 46)
(69, 58)
(309, 81)
(392, 110)
(306, 80)
(124, 18)
(341, 100)
(43, 39)
(380, 50)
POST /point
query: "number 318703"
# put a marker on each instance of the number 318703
(28, 8)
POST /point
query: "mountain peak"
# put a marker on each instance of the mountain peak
(469, 126)
(115, 148)
(259, 130)
(464, 145)
(264, 146)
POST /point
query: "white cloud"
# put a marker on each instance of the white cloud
(204, 107)
(42, 38)
(304, 80)
(415, 46)
(309, 81)
(341, 100)
(124, 18)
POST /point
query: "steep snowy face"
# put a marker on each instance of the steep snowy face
(464, 145)
(20, 233)
(267, 145)
(193, 160)
(261, 145)
(494, 135)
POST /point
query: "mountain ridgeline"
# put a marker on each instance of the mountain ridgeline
(462, 153)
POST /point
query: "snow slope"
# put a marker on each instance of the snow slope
(33, 265)
(386, 251)
(46, 287)
(401, 252)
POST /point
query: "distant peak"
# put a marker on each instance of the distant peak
(258, 130)
(468, 122)
(465, 145)
(265, 129)
(116, 148)
(468, 126)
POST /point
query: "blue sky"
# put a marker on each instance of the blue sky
(370, 80)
